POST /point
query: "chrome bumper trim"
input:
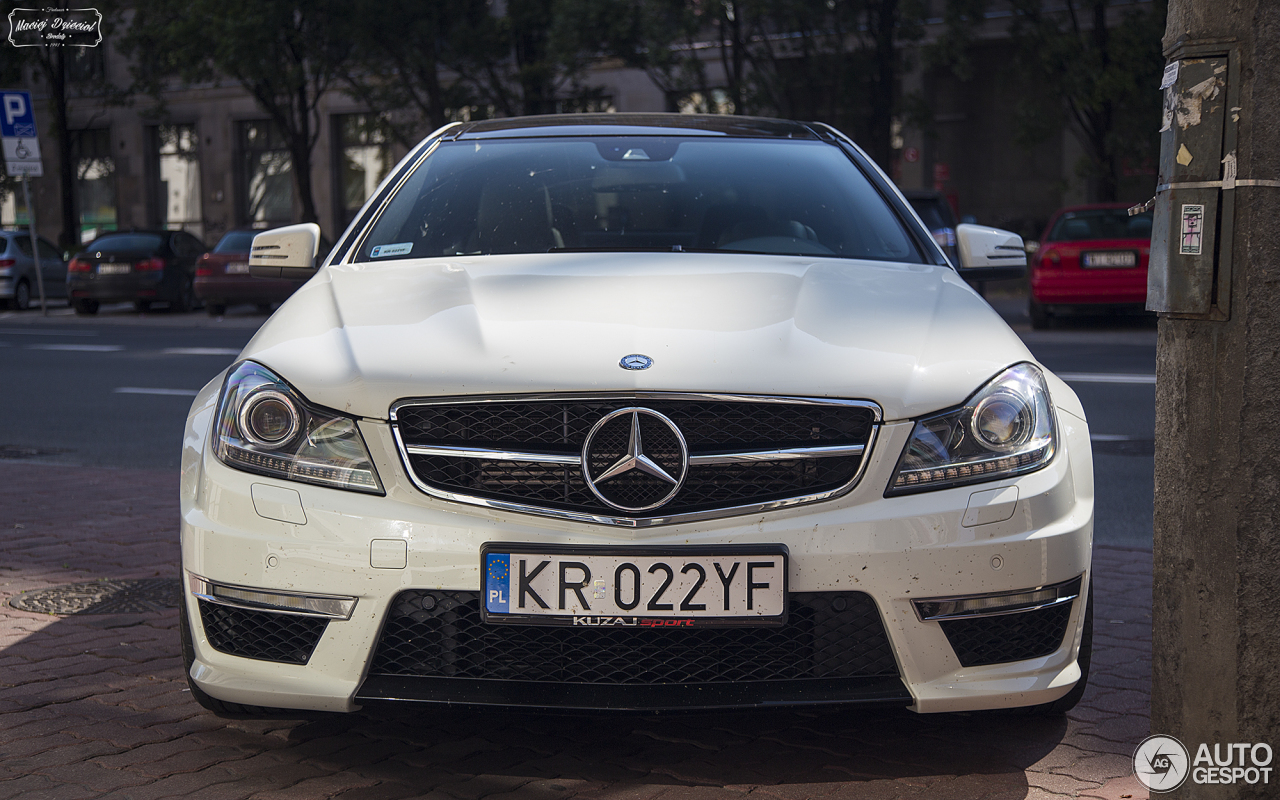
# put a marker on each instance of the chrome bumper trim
(324, 606)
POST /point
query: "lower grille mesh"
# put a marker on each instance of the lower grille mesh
(263, 635)
(1008, 637)
(439, 634)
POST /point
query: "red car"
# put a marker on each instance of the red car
(1090, 258)
(223, 279)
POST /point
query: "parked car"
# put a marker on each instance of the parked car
(1091, 258)
(138, 266)
(938, 216)
(580, 413)
(18, 287)
(223, 279)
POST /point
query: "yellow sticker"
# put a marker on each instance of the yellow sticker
(1184, 155)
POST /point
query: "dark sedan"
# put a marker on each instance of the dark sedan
(223, 279)
(137, 266)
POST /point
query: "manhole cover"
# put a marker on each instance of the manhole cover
(103, 597)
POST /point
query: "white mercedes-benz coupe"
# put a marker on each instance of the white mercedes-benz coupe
(636, 412)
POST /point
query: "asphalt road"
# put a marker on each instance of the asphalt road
(113, 391)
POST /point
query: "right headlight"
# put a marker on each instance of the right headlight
(1007, 428)
(266, 427)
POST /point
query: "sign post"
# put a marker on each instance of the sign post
(22, 157)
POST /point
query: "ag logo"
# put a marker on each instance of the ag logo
(1161, 763)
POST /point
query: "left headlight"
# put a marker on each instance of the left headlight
(1007, 428)
(266, 427)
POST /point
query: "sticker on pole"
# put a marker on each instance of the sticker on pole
(1192, 230)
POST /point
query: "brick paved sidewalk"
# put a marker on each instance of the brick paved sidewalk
(96, 706)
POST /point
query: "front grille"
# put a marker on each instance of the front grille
(263, 635)
(1008, 637)
(558, 429)
(439, 634)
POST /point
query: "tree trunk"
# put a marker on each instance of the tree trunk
(300, 144)
(884, 21)
(55, 69)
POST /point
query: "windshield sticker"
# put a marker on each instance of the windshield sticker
(384, 250)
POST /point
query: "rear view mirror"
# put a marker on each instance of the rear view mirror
(288, 252)
(990, 254)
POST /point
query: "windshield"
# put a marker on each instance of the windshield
(1101, 223)
(126, 243)
(235, 242)
(640, 193)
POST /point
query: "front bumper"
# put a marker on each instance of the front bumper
(893, 550)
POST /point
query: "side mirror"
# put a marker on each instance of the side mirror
(288, 252)
(990, 254)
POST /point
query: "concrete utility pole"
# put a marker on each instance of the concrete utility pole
(1215, 280)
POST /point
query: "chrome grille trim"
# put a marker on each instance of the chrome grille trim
(747, 457)
(877, 415)
(711, 459)
(492, 455)
(783, 454)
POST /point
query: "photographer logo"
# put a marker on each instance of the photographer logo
(1161, 763)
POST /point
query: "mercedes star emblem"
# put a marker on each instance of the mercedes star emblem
(636, 361)
(643, 474)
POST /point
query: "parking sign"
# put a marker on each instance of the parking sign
(18, 129)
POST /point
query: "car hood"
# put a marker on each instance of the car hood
(912, 338)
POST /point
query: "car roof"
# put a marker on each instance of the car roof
(636, 124)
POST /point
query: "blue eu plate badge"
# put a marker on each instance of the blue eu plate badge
(497, 584)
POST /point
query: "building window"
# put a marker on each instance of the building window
(266, 176)
(95, 182)
(363, 160)
(715, 101)
(175, 192)
(85, 65)
(589, 102)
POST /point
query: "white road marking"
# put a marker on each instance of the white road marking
(82, 348)
(200, 351)
(1112, 437)
(1106, 377)
(168, 392)
(17, 332)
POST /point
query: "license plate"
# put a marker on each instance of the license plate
(1111, 260)
(641, 587)
(237, 267)
(113, 269)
